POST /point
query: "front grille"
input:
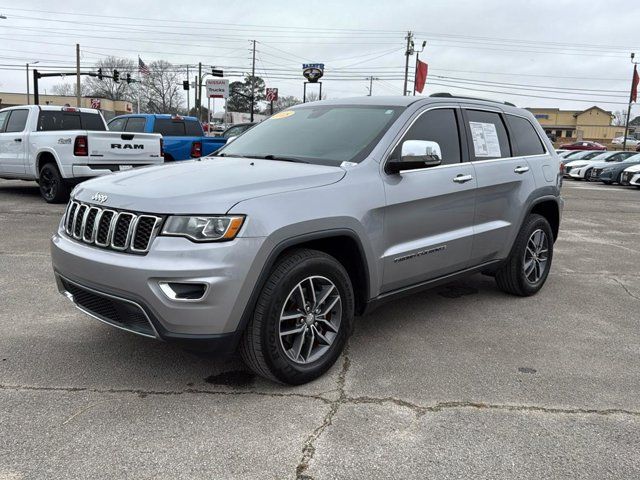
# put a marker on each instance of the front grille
(118, 312)
(595, 173)
(106, 228)
(626, 177)
(568, 169)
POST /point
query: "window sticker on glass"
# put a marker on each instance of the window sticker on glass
(485, 139)
(285, 114)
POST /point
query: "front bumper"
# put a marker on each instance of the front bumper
(132, 283)
(635, 180)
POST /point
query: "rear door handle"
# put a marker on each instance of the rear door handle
(521, 169)
(17, 139)
(462, 178)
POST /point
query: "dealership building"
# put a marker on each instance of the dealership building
(594, 123)
(109, 108)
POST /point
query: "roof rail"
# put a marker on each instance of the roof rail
(448, 95)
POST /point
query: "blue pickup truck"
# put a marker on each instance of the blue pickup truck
(183, 137)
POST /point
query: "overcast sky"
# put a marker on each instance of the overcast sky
(575, 51)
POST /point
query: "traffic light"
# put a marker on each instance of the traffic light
(116, 76)
(129, 78)
(216, 72)
(185, 84)
(100, 74)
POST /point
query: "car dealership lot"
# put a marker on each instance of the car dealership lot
(458, 382)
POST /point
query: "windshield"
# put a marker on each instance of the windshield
(633, 158)
(327, 135)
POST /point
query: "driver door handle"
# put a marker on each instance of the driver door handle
(462, 178)
(17, 139)
(521, 169)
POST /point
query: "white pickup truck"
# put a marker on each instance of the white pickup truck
(61, 146)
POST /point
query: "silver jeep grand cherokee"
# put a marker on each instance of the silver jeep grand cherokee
(310, 218)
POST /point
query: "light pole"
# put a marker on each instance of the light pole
(32, 63)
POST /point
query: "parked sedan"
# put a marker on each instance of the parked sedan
(612, 172)
(583, 146)
(599, 161)
(631, 176)
(580, 159)
(631, 141)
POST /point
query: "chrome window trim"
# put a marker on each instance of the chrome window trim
(402, 134)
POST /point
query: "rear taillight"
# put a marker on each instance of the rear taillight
(161, 147)
(196, 149)
(81, 146)
(562, 169)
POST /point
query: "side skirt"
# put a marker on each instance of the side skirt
(376, 302)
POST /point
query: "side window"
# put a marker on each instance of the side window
(3, 119)
(438, 126)
(233, 131)
(17, 121)
(488, 136)
(526, 140)
(136, 124)
(117, 125)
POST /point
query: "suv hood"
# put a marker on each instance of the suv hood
(633, 168)
(208, 186)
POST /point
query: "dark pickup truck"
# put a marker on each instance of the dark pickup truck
(183, 137)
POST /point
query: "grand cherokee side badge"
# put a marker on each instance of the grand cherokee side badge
(99, 197)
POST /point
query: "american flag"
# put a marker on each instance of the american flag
(142, 67)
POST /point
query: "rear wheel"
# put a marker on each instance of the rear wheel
(527, 267)
(302, 319)
(53, 187)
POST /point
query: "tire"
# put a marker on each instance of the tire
(512, 277)
(53, 187)
(587, 175)
(277, 357)
(607, 182)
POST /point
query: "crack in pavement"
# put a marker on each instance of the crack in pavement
(144, 393)
(420, 410)
(626, 289)
(309, 449)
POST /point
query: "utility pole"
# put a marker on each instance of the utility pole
(28, 99)
(78, 75)
(371, 79)
(199, 92)
(631, 95)
(407, 54)
(253, 80)
(418, 52)
(188, 90)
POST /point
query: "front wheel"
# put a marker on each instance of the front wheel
(53, 187)
(529, 262)
(302, 318)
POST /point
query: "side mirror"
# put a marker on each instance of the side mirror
(416, 154)
(231, 139)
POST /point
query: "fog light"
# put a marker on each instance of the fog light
(184, 291)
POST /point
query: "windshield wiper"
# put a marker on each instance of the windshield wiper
(276, 157)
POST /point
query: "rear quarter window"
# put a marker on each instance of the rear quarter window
(526, 140)
(136, 124)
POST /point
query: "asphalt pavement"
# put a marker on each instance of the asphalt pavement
(458, 382)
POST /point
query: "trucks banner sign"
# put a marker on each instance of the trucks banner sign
(217, 88)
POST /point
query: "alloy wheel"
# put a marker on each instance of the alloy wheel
(48, 184)
(310, 319)
(536, 256)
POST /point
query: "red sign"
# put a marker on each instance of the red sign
(95, 103)
(272, 94)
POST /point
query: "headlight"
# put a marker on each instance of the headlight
(203, 228)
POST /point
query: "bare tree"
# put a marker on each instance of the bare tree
(67, 89)
(107, 88)
(314, 97)
(619, 118)
(282, 104)
(161, 89)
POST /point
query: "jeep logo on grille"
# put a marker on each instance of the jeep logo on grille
(99, 197)
(128, 146)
